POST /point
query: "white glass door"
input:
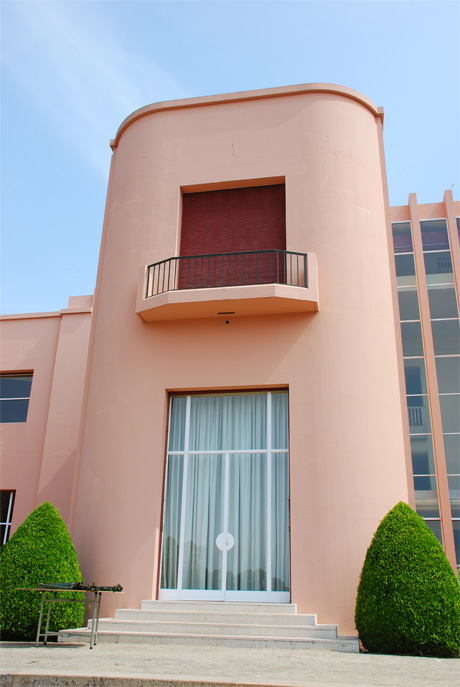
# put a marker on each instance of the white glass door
(225, 529)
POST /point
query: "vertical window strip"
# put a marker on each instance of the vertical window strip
(419, 416)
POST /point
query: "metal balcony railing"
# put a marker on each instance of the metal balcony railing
(419, 418)
(227, 269)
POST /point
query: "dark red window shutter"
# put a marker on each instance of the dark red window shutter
(233, 221)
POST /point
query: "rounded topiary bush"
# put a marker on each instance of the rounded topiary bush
(408, 596)
(39, 552)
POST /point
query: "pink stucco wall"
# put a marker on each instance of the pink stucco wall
(347, 444)
(38, 456)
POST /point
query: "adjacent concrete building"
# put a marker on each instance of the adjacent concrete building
(427, 257)
(228, 420)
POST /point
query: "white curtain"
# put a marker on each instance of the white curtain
(171, 522)
(223, 423)
(247, 560)
(204, 513)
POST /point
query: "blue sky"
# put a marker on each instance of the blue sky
(72, 70)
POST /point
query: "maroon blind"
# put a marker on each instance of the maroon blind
(233, 221)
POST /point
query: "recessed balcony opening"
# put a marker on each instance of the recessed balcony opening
(242, 283)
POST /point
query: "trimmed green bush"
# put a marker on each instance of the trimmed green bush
(408, 596)
(39, 552)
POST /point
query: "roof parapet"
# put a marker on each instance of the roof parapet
(246, 95)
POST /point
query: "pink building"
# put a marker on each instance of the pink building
(230, 424)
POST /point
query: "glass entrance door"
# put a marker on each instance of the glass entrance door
(225, 525)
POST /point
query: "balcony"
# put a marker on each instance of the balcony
(228, 284)
(419, 417)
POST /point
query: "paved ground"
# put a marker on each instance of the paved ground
(134, 665)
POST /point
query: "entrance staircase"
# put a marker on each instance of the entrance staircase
(217, 624)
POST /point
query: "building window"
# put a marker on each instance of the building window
(6, 514)
(226, 517)
(402, 237)
(434, 234)
(14, 396)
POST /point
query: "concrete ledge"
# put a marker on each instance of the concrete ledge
(129, 665)
(57, 680)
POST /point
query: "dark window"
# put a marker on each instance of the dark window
(446, 337)
(6, 514)
(405, 265)
(443, 302)
(408, 304)
(448, 369)
(402, 238)
(452, 449)
(415, 377)
(14, 397)
(434, 234)
(422, 455)
(439, 263)
(412, 339)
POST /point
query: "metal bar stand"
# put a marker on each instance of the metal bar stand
(72, 588)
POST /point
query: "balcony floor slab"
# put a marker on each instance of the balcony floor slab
(260, 299)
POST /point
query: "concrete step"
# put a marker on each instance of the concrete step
(216, 623)
(218, 629)
(219, 606)
(215, 617)
(346, 644)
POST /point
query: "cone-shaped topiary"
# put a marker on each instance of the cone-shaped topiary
(40, 551)
(408, 596)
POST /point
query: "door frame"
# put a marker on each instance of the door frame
(267, 596)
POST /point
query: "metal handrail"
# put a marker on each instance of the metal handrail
(217, 270)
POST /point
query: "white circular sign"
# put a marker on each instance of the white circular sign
(225, 541)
